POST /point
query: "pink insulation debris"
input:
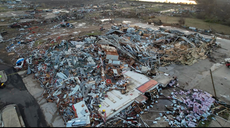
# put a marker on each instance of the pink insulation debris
(200, 102)
(183, 100)
(178, 118)
(195, 90)
(191, 124)
(195, 108)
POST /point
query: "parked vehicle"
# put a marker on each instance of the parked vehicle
(227, 62)
(15, 25)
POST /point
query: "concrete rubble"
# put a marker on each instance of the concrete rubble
(88, 77)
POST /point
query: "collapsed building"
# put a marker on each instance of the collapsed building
(94, 78)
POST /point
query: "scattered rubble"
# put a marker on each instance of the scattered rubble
(189, 107)
(96, 78)
(111, 79)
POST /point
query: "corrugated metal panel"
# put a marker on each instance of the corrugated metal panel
(112, 57)
(146, 86)
(116, 62)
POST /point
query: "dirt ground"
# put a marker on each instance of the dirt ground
(55, 3)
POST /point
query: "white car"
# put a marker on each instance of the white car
(21, 29)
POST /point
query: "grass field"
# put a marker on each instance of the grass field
(193, 22)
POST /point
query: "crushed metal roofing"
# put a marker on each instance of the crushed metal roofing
(74, 71)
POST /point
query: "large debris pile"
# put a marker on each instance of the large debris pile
(77, 74)
(71, 75)
(189, 107)
(187, 49)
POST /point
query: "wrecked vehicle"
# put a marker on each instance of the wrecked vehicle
(20, 63)
(227, 62)
(16, 25)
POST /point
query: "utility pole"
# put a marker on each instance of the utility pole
(213, 83)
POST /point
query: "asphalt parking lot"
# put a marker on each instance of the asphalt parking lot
(15, 92)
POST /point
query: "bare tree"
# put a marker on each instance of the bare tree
(215, 10)
(181, 21)
(207, 5)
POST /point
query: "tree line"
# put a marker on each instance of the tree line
(217, 11)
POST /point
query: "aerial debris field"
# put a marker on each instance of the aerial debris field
(102, 72)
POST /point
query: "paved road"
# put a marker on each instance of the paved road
(12, 13)
(16, 92)
(219, 122)
(4, 25)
